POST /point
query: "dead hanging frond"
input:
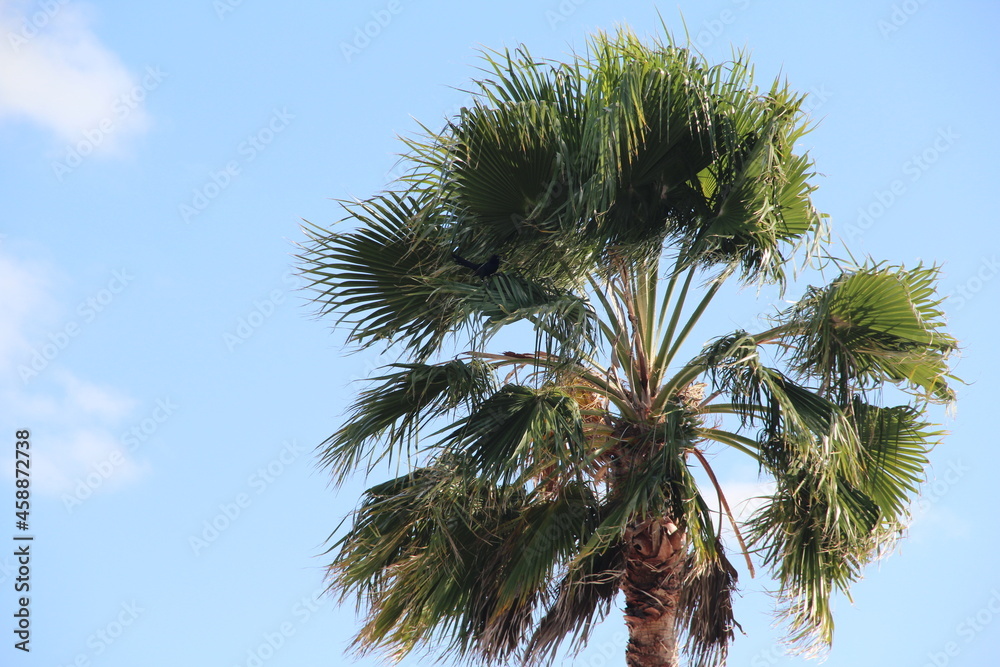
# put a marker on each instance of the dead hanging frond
(705, 607)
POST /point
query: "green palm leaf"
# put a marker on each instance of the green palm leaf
(520, 432)
(379, 278)
(896, 442)
(872, 325)
(387, 417)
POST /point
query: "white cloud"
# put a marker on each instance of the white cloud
(74, 425)
(23, 296)
(55, 72)
(71, 399)
(75, 422)
(87, 462)
(745, 498)
(85, 398)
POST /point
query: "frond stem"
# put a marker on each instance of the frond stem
(725, 506)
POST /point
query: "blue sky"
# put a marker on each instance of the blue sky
(157, 161)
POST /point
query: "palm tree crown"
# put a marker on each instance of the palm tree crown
(604, 201)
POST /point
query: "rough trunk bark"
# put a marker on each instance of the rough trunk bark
(654, 554)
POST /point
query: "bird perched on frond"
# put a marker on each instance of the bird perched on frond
(484, 270)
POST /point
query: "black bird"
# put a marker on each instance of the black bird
(484, 270)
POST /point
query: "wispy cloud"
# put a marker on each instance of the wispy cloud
(82, 456)
(23, 296)
(745, 498)
(79, 421)
(56, 73)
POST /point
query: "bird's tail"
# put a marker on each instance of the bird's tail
(464, 262)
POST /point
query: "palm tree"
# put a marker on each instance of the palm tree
(603, 202)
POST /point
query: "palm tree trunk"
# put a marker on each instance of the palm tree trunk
(653, 559)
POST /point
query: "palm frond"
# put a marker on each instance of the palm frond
(419, 558)
(872, 325)
(816, 533)
(386, 417)
(582, 598)
(895, 442)
(565, 323)
(379, 278)
(794, 420)
(442, 555)
(520, 433)
(757, 192)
